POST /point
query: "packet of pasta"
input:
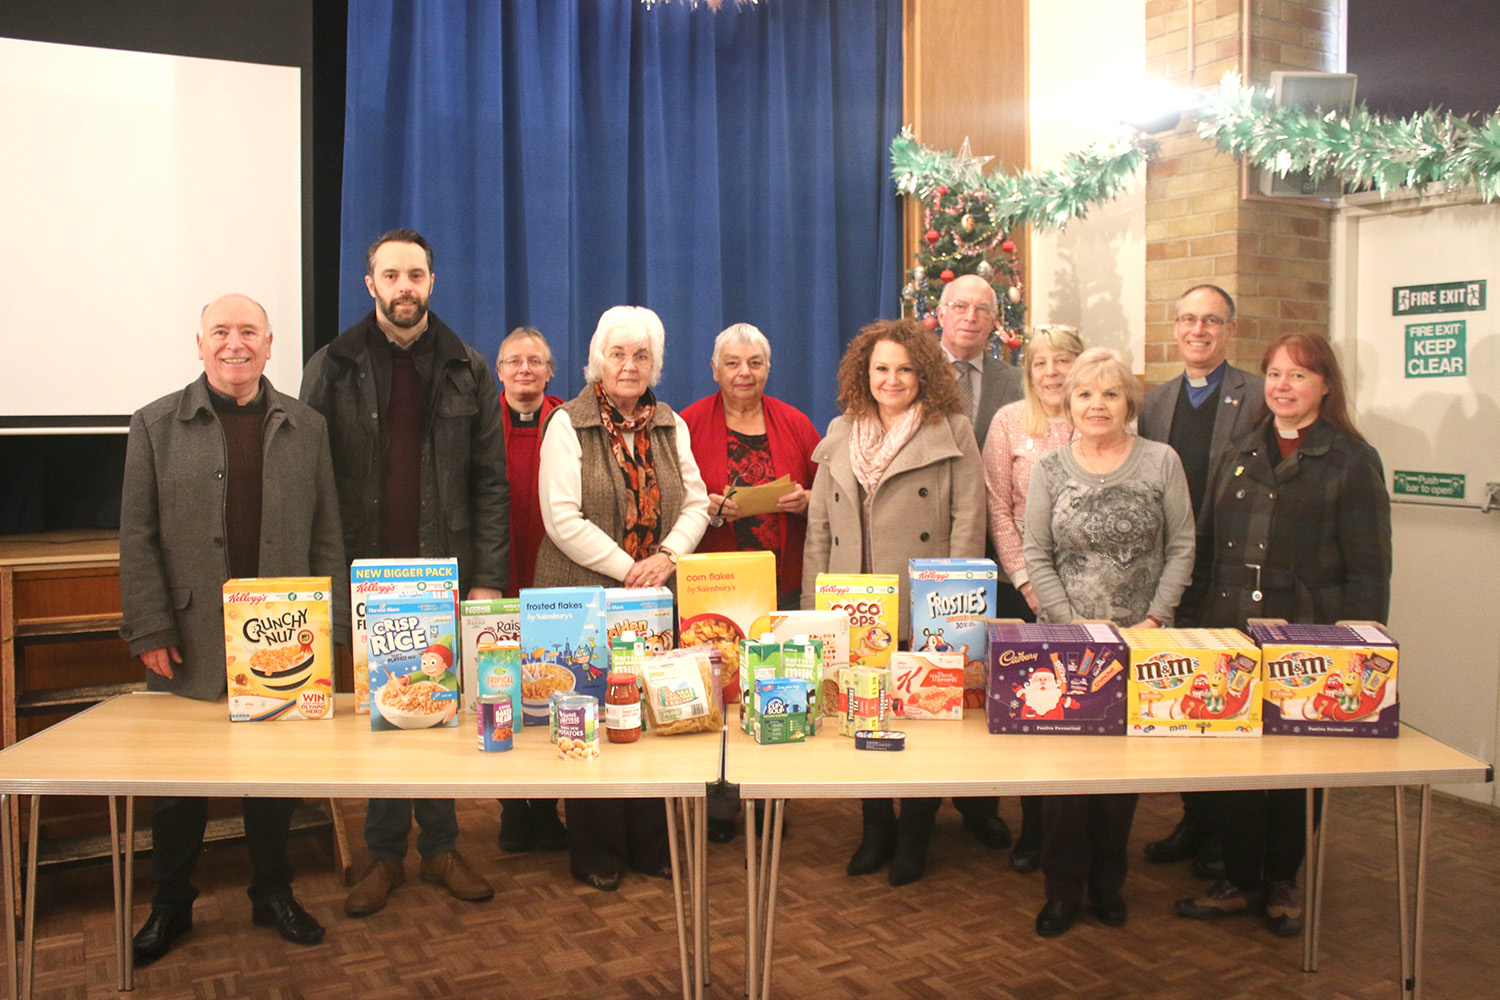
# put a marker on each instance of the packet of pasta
(681, 693)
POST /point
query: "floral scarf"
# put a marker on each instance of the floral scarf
(643, 515)
(872, 448)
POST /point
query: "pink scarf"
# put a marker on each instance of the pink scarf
(872, 448)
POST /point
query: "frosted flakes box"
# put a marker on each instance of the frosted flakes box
(483, 623)
(950, 601)
(278, 650)
(563, 647)
(1329, 680)
(646, 611)
(1056, 679)
(719, 597)
(409, 644)
(830, 629)
(873, 603)
(1192, 682)
(927, 685)
(371, 579)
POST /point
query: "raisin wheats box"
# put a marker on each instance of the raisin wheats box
(1329, 680)
(1192, 682)
(950, 601)
(374, 579)
(1056, 679)
(484, 623)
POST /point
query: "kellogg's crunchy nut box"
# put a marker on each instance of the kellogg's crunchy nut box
(409, 645)
(1056, 679)
(1192, 682)
(927, 685)
(371, 579)
(563, 647)
(831, 629)
(950, 600)
(277, 648)
(484, 623)
(646, 611)
(1329, 680)
(719, 597)
(873, 603)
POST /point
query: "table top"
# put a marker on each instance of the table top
(964, 758)
(160, 744)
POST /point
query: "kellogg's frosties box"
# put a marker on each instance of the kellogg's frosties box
(950, 600)
(873, 603)
(719, 596)
(1329, 680)
(484, 623)
(1056, 679)
(277, 648)
(1192, 682)
(376, 579)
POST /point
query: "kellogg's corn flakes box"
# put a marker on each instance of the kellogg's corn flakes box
(647, 611)
(1192, 682)
(278, 649)
(719, 597)
(927, 685)
(484, 623)
(873, 603)
(1329, 680)
(1056, 679)
(370, 579)
(409, 644)
(830, 629)
(950, 600)
(563, 647)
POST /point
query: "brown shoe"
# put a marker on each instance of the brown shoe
(1284, 909)
(369, 893)
(1221, 900)
(453, 873)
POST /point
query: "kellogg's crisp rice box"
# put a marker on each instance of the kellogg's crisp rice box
(830, 629)
(719, 597)
(277, 648)
(1192, 682)
(646, 611)
(563, 647)
(950, 600)
(409, 646)
(927, 685)
(484, 623)
(1329, 680)
(371, 579)
(1056, 679)
(873, 603)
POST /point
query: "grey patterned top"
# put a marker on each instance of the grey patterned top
(1115, 547)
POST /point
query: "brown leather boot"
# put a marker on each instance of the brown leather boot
(369, 893)
(453, 873)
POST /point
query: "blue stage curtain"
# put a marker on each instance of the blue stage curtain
(566, 157)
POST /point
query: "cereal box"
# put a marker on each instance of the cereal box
(872, 602)
(780, 710)
(1056, 679)
(1329, 680)
(864, 699)
(377, 578)
(927, 685)
(1192, 682)
(563, 646)
(646, 611)
(719, 596)
(831, 630)
(950, 600)
(409, 645)
(277, 648)
(484, 623)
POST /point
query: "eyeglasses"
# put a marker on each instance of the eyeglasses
(1189, 321)
(524, 363)
(979, 310)
(619, 357)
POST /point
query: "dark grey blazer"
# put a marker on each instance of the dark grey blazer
(1240, 400)
(999, 383)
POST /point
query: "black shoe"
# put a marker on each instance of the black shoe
(873, 852)
(1026, 859)
(1056, 918)
(1111, 912)
(1179, 845)
(548, 831)
(603, 881)
(1209, 862)
(990, 831)
(909, 863)
(160, 930)
(516, 836)
(721, 831)
(291, 921)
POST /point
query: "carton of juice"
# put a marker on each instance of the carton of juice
(485, 623)
(563, 647)
(409, 646)
(828, 628)
(950, 600)
(872, 602)
(1329, 680)
(277, 648)
(1192, 682)
(646, 611)
(719, 597)
(370, 579)
(927, 685)
(1056, 679)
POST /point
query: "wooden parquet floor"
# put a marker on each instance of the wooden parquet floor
(963, 932)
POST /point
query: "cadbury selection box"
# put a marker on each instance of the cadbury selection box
(1056, 679)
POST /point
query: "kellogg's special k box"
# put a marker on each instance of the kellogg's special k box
(1329, 680)
(371, 579)
(719, 596)
(484, 623)
(950, 600)
(563, 647)
(1192, 682)
(1056, 679)
(277, 648)
(872, 603)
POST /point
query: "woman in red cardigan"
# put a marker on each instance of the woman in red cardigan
(742, 436)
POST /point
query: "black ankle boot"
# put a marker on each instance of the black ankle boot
(913, 832)
(879, 840)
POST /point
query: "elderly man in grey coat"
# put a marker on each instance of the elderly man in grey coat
(226, 478)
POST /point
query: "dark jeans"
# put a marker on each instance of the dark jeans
(388, 823)
(608, 836)
(977, 806)
(177, 826)
(1084, 844)
(1265, 834)
(1030, 837)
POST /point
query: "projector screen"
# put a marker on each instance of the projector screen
(134, 188)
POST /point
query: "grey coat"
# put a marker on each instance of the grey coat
(1241, 398)
(930, 505)
(173, 559)
(999, 384)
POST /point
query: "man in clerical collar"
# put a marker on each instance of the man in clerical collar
(966, 315)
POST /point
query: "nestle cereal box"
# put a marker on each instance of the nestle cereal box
(378, 578)
(831, 630)
(1192, 682)
(927, 685)
(719, 597)
(563, 647)
(950, 600)
(872, 602)
(1056, 679)
(649, 612)
(409, 645)
(484, 623)
(1329, 680)
(277, 648)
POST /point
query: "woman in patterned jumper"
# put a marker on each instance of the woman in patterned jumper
(1021, 433)
(1109, 536)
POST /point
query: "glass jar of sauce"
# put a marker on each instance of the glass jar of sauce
(622, 709)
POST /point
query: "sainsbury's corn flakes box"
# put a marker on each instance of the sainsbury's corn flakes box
(1192, 682)
(370, 579)
(873, 603)
(409, 644)
(950, 601)
(563, 647)
(278, 648)
(484, 623)
(1056, 679)
(927, 685)
(830, 629)
(719, 597)
(1329, 680)
(649, 612)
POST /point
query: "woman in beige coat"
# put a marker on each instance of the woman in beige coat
(899, 478)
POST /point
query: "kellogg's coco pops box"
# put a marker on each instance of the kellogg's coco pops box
(1329, 680)
(1056, 679)
(872, 602)
(409, 645)
(950, 600)
(277, 648)
(373, 579)
(563, 647)
(719, 597)
(483, 623)
(1192, 682)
